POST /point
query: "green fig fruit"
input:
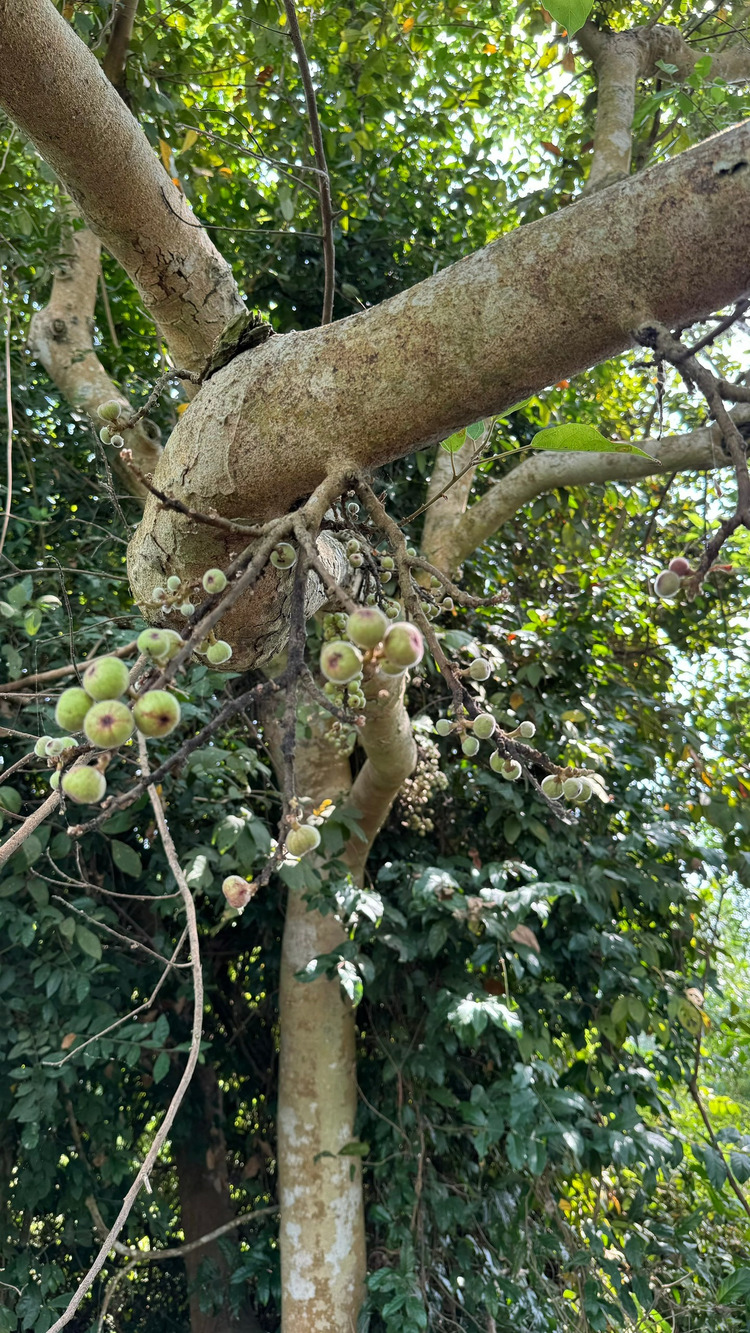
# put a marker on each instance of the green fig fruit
(404, 644)
(106, 679)
(484, 726)
(108, 724)
(301, 840)
(86, 786)
(214, 580)
(340, 661)
(156, 713)
(72, 707)
(479, 669)
(367, 627)
(219, 652)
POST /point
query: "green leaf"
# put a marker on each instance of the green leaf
(126, 860)
(474, 431)
(734, 1287)
(454, 442)
(161, 1066)
(570, 14)
(18, 595)
(581, 439)
(32, 621)
(354, 1149)
(88, 942)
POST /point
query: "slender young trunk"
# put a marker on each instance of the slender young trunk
(201, 1162)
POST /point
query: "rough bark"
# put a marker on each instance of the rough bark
(539, 305)
(620, 60)
(447, 500)
(60, 337)
(201, 1162)
(699, 449)
(56, 92)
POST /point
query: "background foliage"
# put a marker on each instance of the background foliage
(532, 1154)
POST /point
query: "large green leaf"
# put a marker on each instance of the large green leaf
(570, 14)
(581, 439)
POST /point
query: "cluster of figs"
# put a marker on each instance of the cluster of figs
(668, 582)
(175, 595)
(393, 646)
(107, 719)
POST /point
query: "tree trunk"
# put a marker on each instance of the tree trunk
(201, 1161)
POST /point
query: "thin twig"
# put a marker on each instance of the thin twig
(169, 502)
(18, 838)
(107, 308)
(57, 673)
(195, 1041)
(324, 180)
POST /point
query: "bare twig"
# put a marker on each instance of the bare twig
(57, 673)
(160, 1137)
(324, 180)
(169, 502)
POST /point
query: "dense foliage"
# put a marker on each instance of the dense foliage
(531, 1151)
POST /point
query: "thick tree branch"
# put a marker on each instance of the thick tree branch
(620, 60)
(56, 92)
(113, 63)
(60, 337)
(538, 473)
(536, 306)
(391, 751)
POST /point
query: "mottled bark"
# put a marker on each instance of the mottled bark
(56, 92)
(538, 305)
(620, 60)
(61, 338)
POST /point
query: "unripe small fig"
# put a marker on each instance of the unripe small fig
(392, 609)
(156, 713)
(106, 679)
(283, 556)
(108, 724)
(301, 840)
(54, 747)
(117, 441)
(173, 582)
(411, 550)
(104, 435)
(404, 644)
(72, 707)
(435, 582)
(154, 642)
(10, 800)
(340, 661)
(214, 580)
(390, 668)
(387, 562)
(68, 743)
(353, 546)
(571, 789)
(586, 791)
(667, 585)
(470, 746)
(187, 609)
(367, 627)
(527, 730)
(110, 410)
(219, 652)
(158, 593)
(175, 642)
(484, 726)
(385, 577)
(40, 749)
(237, 891)
(510, 769)
(85, 786)
(447, 604)
(479, 669)
(552, 786)
(54, 780)
(680, 566)
(356, 560)
(443, 726)
(352, 508)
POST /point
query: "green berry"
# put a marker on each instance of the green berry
(173, 582)
(72, 707)
(106, 679)
(219, 652)
(214, 580)
(156, 713)
(484, 726)
(301, 840)
(85, 786)
(527, 730)
(552, 786)
(367, 627)
(470, 746)
(479, 669)
(443, 726)
(108, 724)
(40, 748)
(110, 410)
(187, 609)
